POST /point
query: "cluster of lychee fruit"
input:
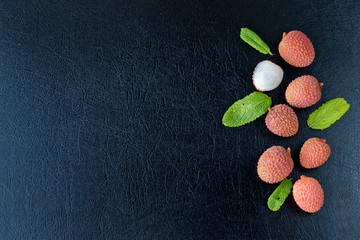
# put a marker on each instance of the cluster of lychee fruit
(275, 164)
(296, 49)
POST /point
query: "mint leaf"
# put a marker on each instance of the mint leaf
(277, 198)
(247, 109)
(328, 113)
(254, 40)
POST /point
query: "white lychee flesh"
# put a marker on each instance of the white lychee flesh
(267, 76)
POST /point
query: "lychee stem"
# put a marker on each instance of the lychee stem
(321, 85)
(323, 140)
(289, 151)
(284, 35)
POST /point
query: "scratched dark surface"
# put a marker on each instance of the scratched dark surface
(110, 120)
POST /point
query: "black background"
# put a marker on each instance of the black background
(110, 120)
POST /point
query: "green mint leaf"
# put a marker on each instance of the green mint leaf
(328, 113)
(247, 109)
(254, 40)
(277, 198)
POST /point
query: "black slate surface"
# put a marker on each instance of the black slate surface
(111, 120)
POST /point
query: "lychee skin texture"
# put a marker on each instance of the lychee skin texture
(275, 164)
(303, 92)
(314, 153)
(282, 120)
(308, 194)
(267, 76)
(296, 49)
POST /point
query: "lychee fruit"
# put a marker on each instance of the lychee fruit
(303, 91)
(308, 194)
(314, 153)
(296, 49)
(267, 76)
(275, 164)
(282, 120)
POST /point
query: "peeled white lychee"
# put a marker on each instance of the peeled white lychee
(267, 76)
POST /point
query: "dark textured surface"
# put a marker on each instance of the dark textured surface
(111, 120)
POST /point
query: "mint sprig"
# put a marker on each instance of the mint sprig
(247, 109)
(254, 40)
(278, 197)
(328, 113)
